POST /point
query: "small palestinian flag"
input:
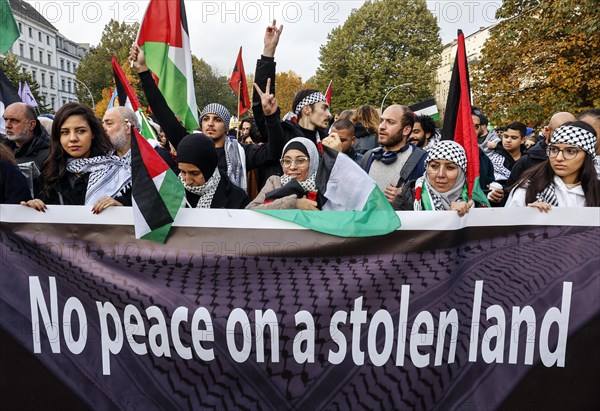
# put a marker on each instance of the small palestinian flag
(352, 204)
(125, 94)
(427, 108)
(157, 193)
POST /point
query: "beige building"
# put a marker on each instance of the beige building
(474, 44)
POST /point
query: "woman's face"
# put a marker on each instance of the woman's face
(442, 174)
(567, 170)
(297, 165)
(191, 174)
(76, 137)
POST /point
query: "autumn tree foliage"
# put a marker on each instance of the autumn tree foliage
(382, 44)
(543, 58)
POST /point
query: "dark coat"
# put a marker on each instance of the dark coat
(228, 195)
(36, 149)
(13, 184)
(71, 190)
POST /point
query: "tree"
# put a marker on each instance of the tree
(15, 74)
(287, 84)
(95, 69)
(383, 44)
(542, 59)
(211, 87)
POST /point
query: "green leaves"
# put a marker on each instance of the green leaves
(381, 45)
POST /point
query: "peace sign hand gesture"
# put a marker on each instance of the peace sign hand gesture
(268, 100)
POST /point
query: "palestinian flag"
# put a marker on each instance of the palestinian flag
(157, 193)
(147, 131)
(329, 92)
(164, 37)
(239, 85)
(426, 108)
(8, 95)
(125, 93)
(352, 204)
(458, 123)
(8, 27)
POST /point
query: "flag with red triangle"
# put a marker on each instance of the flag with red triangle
(239, 85)
(328, 93)
(458, 123)
(157, 193)
(125, 93)
(164, 37)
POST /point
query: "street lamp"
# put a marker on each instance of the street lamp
(89, 92)
(392, 89)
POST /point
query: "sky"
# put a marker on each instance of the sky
(219, 28)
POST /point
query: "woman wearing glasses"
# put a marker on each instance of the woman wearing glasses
(297, 187)
(568, 178)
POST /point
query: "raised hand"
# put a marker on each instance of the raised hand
(268, 100)
(272, 39)
(137, 58)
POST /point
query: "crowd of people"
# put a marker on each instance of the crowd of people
(273, 163)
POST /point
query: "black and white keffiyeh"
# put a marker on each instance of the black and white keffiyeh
(450, 151)
(235, 166)
(219, 110)
(575, 136)
(206, 191)
(110, 175)
(309, 100)
(500, 171)
(548, 195)
(308, 185)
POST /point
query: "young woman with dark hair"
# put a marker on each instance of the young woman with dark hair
(82, 168)
(568, 178)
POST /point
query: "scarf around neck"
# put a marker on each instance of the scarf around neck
(428, 198)
(110, 175)
(206, 191)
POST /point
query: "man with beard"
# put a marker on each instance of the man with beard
(423, 133)
(117, 123)
(28, 141)
(395, 161)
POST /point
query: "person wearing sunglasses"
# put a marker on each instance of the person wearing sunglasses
(296, 188)
(567, 178)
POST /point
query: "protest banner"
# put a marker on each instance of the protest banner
(241, 310)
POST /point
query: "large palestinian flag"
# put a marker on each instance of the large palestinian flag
(157, 193)
(352, 204)
(164, 37)
(458, 123)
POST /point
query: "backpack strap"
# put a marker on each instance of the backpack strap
(410, 165)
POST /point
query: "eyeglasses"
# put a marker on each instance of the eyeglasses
(299, 162)
(569, 153)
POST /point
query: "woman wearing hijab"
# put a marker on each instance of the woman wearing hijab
(297, 187)
(206, 186)
(567, 178)
(443, 186)
(82, 168)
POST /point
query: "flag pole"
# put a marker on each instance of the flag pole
(238, 113)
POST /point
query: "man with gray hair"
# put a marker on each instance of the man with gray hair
(117, 123)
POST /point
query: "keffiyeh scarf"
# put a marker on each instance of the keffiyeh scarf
(308, 185)
(235, 167)
(206, 191)
(428, 199)
(110, 175)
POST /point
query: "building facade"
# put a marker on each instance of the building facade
(46, 54)
(474, 45)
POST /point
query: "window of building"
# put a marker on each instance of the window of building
(30, 32)
(41, 56)
(48, 40)
(69, 83)
(43, 79)
(69, 66)
(49, 59)
(53, 103)
(30, 53)
(40, 36)
(62, 64)
(21, 50)
(51, 81)
(64, 101)
(34, 75)
(20, 29)
(62, 84)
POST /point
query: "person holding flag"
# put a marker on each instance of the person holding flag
(235, 158)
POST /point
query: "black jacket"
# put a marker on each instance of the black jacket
(71, 190)
(534, 156)
(36, 149)
(228, 195)
(13, 185)
(256, 155)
